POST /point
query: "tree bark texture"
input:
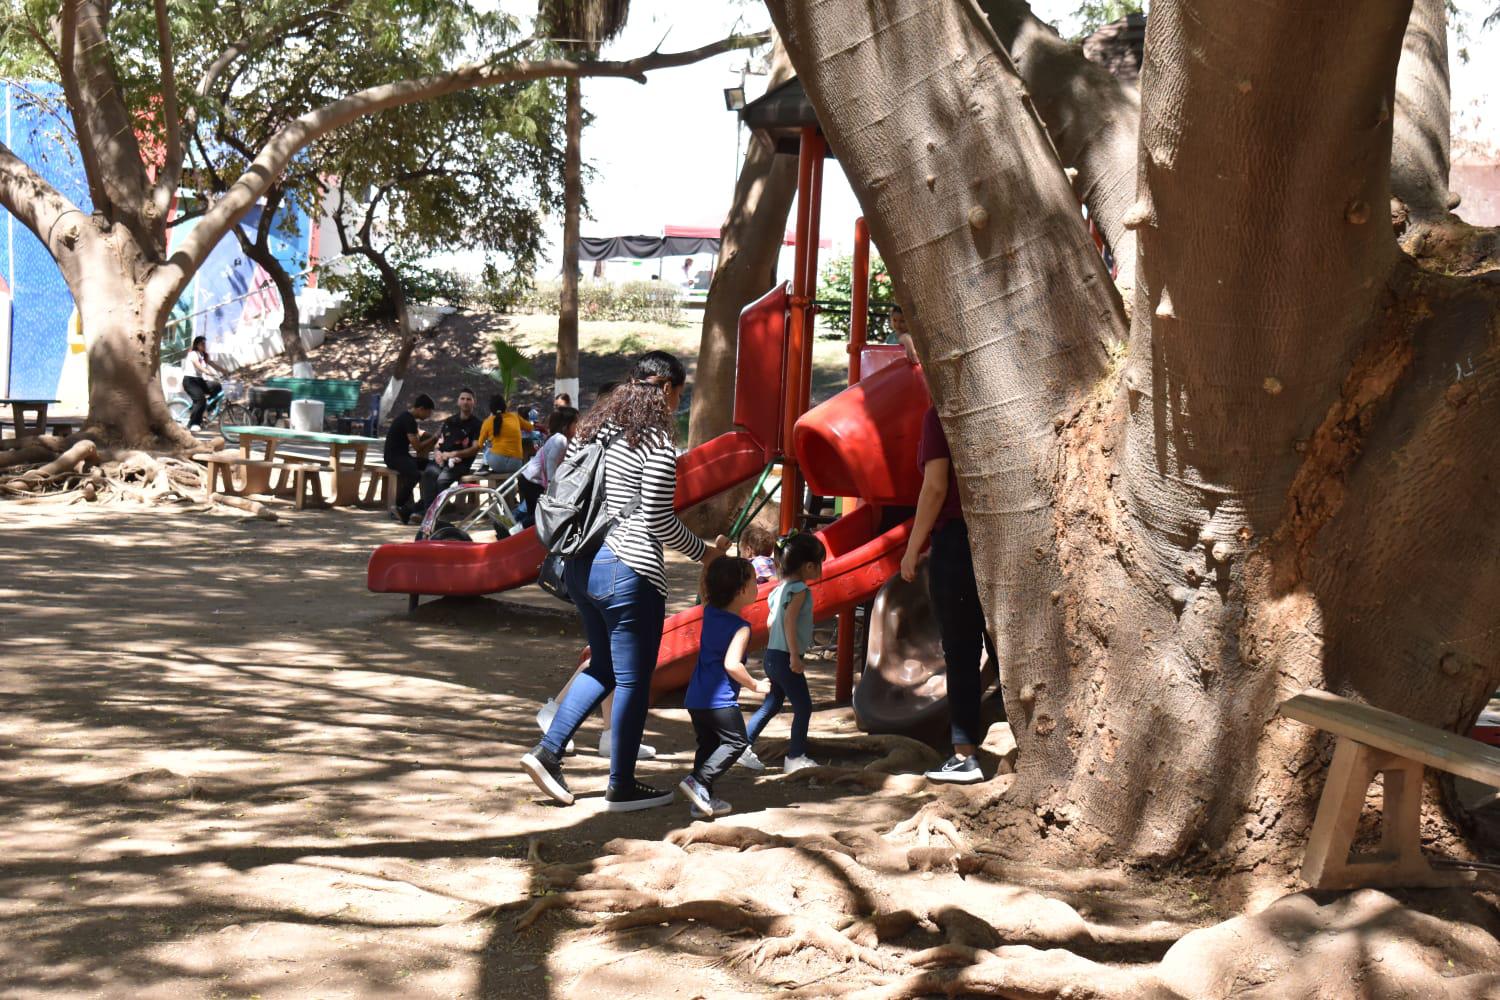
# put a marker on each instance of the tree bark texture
(746, 269)
(1420, 144)
(1091, 116)
(567, 311)
(1282, 480)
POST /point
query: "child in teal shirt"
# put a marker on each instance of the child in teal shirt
(791, 626)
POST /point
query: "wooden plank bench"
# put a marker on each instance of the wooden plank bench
(1373, 741)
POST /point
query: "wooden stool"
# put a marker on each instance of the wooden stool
(380, 489)
(221, 466)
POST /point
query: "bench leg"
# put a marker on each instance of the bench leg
(309, 486)
(411, 602)
(221, 479)
(1399, 861)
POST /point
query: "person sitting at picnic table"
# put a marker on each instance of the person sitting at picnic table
(195, 365)
(538, 472)
(500, 438)
(403, 439)
(457, 444)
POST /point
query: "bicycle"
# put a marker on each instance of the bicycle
(222, 408)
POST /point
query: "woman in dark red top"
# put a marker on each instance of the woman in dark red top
(955, 597)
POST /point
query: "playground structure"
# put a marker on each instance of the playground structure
(860, 445)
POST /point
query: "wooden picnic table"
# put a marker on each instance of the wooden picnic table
(20, 407)
(346, 476)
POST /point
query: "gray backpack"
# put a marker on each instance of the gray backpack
(570, 517)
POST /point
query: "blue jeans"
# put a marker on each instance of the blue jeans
(622, 616)
(505, 465)
(785, 686)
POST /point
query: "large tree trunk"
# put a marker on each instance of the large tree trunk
(1280, 484)
(567, 310)
(746, 269)
(126, 405)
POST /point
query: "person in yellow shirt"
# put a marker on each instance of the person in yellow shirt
(500, 438)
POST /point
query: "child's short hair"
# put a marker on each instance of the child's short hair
(757, 541)
(798, 550)
(724, 578)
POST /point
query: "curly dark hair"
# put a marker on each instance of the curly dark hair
(639, 406)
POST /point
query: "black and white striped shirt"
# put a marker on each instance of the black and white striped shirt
(650, 472)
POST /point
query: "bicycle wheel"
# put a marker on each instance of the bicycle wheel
(179, 408)
(233, 415)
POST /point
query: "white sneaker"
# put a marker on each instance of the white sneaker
(754, 763)
(544, 717)
(195, 427)
(606, 744)
(797, 763)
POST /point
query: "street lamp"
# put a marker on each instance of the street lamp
(734, 98)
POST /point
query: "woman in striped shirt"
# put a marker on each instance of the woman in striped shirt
(621, 593)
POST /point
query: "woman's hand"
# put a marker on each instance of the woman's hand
(797, 667)
(762, 686)
(909, 563)
(714, 551)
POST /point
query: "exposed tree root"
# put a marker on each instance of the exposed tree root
(871, 781)
(784, 934)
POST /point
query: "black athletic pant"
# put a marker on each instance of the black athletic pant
(198, 391)
(721, 740)
(960, 619)
(409, 471)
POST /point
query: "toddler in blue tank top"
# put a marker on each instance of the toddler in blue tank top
(713, 693)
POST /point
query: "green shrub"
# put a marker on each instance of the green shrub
(838, 285)
(634, 301)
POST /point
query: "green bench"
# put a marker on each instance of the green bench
(339, 396)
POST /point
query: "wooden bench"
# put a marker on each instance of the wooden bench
(221, 468)
(380, 489)
(1373, 741)
(303, 482)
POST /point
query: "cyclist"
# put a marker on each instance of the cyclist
(195, 365)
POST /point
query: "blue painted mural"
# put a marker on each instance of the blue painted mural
(228, 296)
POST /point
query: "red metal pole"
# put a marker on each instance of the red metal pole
(859, 308)
(797, 332)
(859, 321)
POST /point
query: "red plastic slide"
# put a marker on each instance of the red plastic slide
(470, 568)
(859, 563)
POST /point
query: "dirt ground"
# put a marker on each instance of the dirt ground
(230, 771)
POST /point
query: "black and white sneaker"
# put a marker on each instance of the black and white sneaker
(635, 796)
(545, 769)
(962, 770)
(699, 796)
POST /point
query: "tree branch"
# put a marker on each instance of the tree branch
(67, 65)
(1422, 128)
(170, 279)
(39, 205)
(171, 170)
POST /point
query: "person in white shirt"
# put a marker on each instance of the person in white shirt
(541, 467)
(195, 366)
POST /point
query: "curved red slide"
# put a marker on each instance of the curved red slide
(441, 569)
(859, 562)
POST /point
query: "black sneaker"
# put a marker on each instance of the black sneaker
(963, 770)
(636, 796)
(701, 798)
(545, 769)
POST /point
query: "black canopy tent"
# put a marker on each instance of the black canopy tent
(645, 247)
